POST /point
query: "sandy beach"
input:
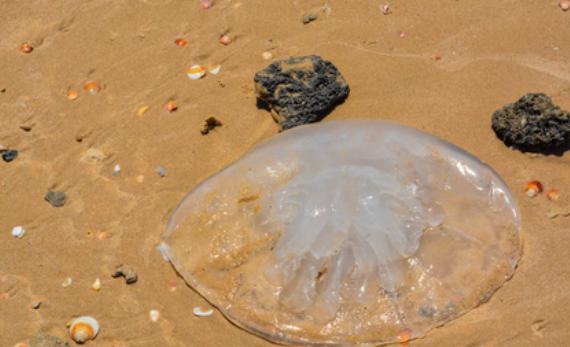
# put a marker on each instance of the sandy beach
(442, 67)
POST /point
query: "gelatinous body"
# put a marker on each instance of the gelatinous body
(347, 232)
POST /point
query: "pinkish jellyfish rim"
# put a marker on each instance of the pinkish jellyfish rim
(288, 339)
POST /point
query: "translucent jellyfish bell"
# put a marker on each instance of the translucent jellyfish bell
(347, 232)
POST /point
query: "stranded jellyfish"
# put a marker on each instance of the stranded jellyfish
(347, 232)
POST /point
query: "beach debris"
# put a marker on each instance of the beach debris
(18, 232)
(553, 194)
(181, 42)
(142, 110)
(72, 94)
(126, 271)
(267, 55)
(402, 34)
(83, 329)
(96, 286)
(92, 87)
(533, 124)
(210, 124)
(225, 39)
(310, 16)
(160, 170)
(42, 339)
(289, 88)
(8, 154)
(206, 4)
(214, 69)
(67, 282)
(116, 170)
(26, 48)
(385, 9)
(35, 304)
(195, 72)
(55, 198)
(564, 5)
(171, 106)
(154, 315)
(93, 156)
(533, 188)
(198, 311)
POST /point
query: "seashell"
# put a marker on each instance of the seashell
(96, 286)
(198, 311)
(26, 48)
(225, 40)
(564, 5)
(553, 194)
(170, 106)
(18, 232)
(181, 42)
(142, 110)
(195, 72)
(214, 69)
(72, 94)
(267, 55)
(359, 223)
(533, 188)
(116, 170)
(206, 4)
(154, 315)
(67, 282)
(83, 329)
(92, 87)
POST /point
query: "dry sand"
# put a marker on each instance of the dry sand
(491, 53)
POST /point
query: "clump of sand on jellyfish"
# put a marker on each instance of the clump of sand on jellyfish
(347, 232)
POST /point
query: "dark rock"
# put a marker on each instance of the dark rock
(44, 340)
(127, 272)
(300, 90)
(9, 154)
(55, 198)
(533, 124)
(210, 124)
(309, 17)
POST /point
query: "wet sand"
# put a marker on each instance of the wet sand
(455, 64)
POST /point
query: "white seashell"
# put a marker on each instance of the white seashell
(214, 69)
(116, 170)
(83, 329)
(267, 55)
(96, 286)
(195, 72)
(67, 282)
(154, 315)
(201, 313)
(18, 232)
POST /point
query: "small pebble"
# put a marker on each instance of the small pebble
(56, 198)
(170, 106)
(385, 9)
(564, 5)
(116, 170)
(402, 34)
(9, 154)
(154, 315)
(267, 55)
(72, 94)
(225, 40)
(26, 48)
(181, 42)
(206, 4)
(210, 124)
(142, 110)
(552, 214)
(553, 194)
(160, 170)
(36, 304)
(67, 282)
(127, 272)
(140, 178)
(309, 17)
(18, 232)
(198, 311)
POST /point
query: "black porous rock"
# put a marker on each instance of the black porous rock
(300, 90)
(533, 124)
(9, 154)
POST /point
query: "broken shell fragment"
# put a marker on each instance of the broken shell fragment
(154, 315)
(533, 188)
(214, 69)
(181, 42)
(92, 87)
(225, 40)
(67, 282)
(18, 232)
(195, 72)
(26, 48)
(83, 329)
(198, 311)
(142, 110)
(553, 194)
(96, 286)
(267, 55)
(72, 94)
(170, 106)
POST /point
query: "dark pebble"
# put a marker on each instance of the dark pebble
(55, 198)
(9, 155)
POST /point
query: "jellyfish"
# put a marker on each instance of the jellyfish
(347, 232)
